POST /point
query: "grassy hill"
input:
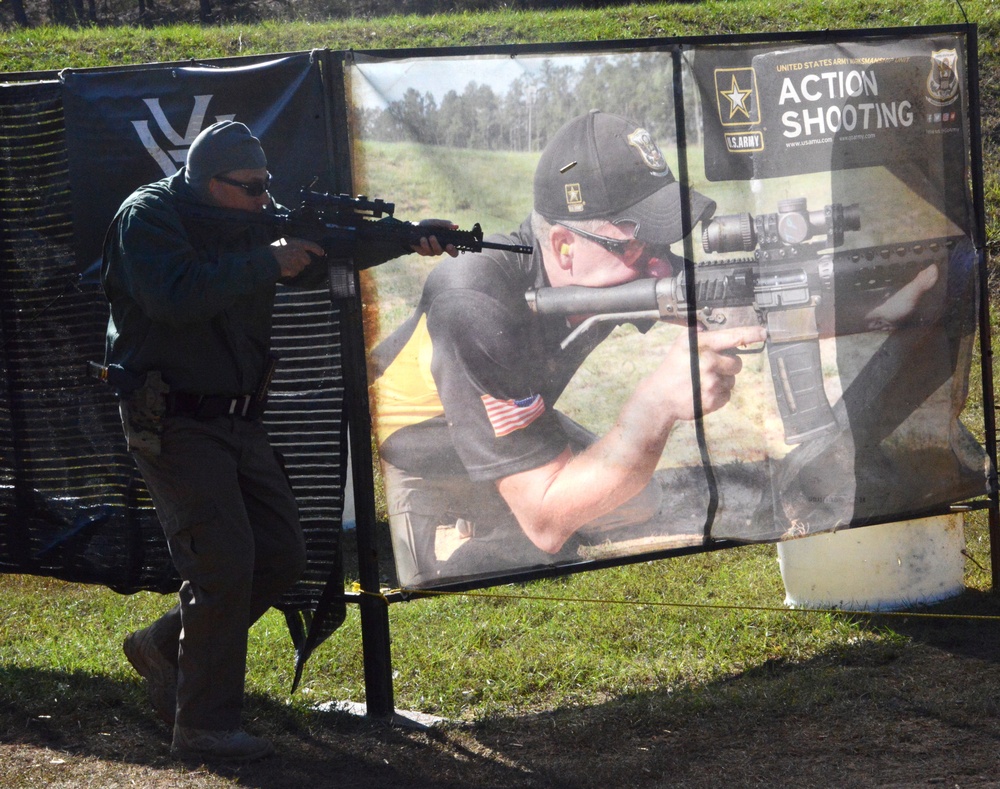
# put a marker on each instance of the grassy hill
(49, 49)
(685, 672)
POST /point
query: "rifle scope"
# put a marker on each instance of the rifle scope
(791, 225)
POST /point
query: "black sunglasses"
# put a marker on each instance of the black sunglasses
(619, 247)
(253, 189)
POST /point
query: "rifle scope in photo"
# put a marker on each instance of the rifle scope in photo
(792, 224)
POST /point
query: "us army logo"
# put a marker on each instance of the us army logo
(173, 157)
(736, 91)
(738, 103)
(942, 81)
(574, 199)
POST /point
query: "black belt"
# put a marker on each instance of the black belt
(210, 406)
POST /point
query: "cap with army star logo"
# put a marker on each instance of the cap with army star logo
(604, 166)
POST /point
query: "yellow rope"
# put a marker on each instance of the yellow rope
(384, 594)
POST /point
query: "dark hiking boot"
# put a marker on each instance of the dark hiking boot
(158, 671)
(235, 745)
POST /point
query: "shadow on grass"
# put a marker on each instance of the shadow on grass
(92, 717)
(964, 626)
(921, 707)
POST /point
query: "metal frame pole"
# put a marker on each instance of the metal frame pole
(985, 337)
(373, 607)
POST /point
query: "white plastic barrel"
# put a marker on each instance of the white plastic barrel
(885, 567)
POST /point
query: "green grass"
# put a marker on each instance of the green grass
(677, 624)
(445, 185)
(457, 657)
(472, 656)
(56, 48)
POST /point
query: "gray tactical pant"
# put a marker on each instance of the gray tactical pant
(232, 527)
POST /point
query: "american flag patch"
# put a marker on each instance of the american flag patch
(506, 416)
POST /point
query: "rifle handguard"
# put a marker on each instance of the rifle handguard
(795, 366)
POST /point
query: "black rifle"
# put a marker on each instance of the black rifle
(339, 222)
(788, 286)
(342, 219)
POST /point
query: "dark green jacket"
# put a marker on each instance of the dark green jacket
(191, 297)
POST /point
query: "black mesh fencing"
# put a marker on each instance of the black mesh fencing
(72, 503)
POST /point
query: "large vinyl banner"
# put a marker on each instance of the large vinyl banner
(130, 127)
(747, 317)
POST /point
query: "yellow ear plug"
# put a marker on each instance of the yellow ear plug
(564, 249)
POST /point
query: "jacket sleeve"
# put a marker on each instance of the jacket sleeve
(149, 253)
(372, 254)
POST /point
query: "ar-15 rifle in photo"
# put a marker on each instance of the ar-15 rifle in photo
(338, 222)
(792, 278)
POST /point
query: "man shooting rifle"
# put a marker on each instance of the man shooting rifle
(841, 469)
(191, 300)
(466, 388)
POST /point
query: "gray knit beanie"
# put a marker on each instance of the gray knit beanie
(222, 147)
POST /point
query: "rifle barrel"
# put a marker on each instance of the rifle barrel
(520, 249)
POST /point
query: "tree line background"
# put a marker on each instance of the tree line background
(533, 107)
(74, 13)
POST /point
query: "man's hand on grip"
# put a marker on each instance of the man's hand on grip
(294, 254)
(718, 368)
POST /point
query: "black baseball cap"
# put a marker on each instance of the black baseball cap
(604, 166)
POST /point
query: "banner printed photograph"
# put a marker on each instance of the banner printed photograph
(860, 167)
(515, 425)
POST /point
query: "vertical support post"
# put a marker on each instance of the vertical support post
(374, 609)
(985, 338)
(989, 413)
(375, 640)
